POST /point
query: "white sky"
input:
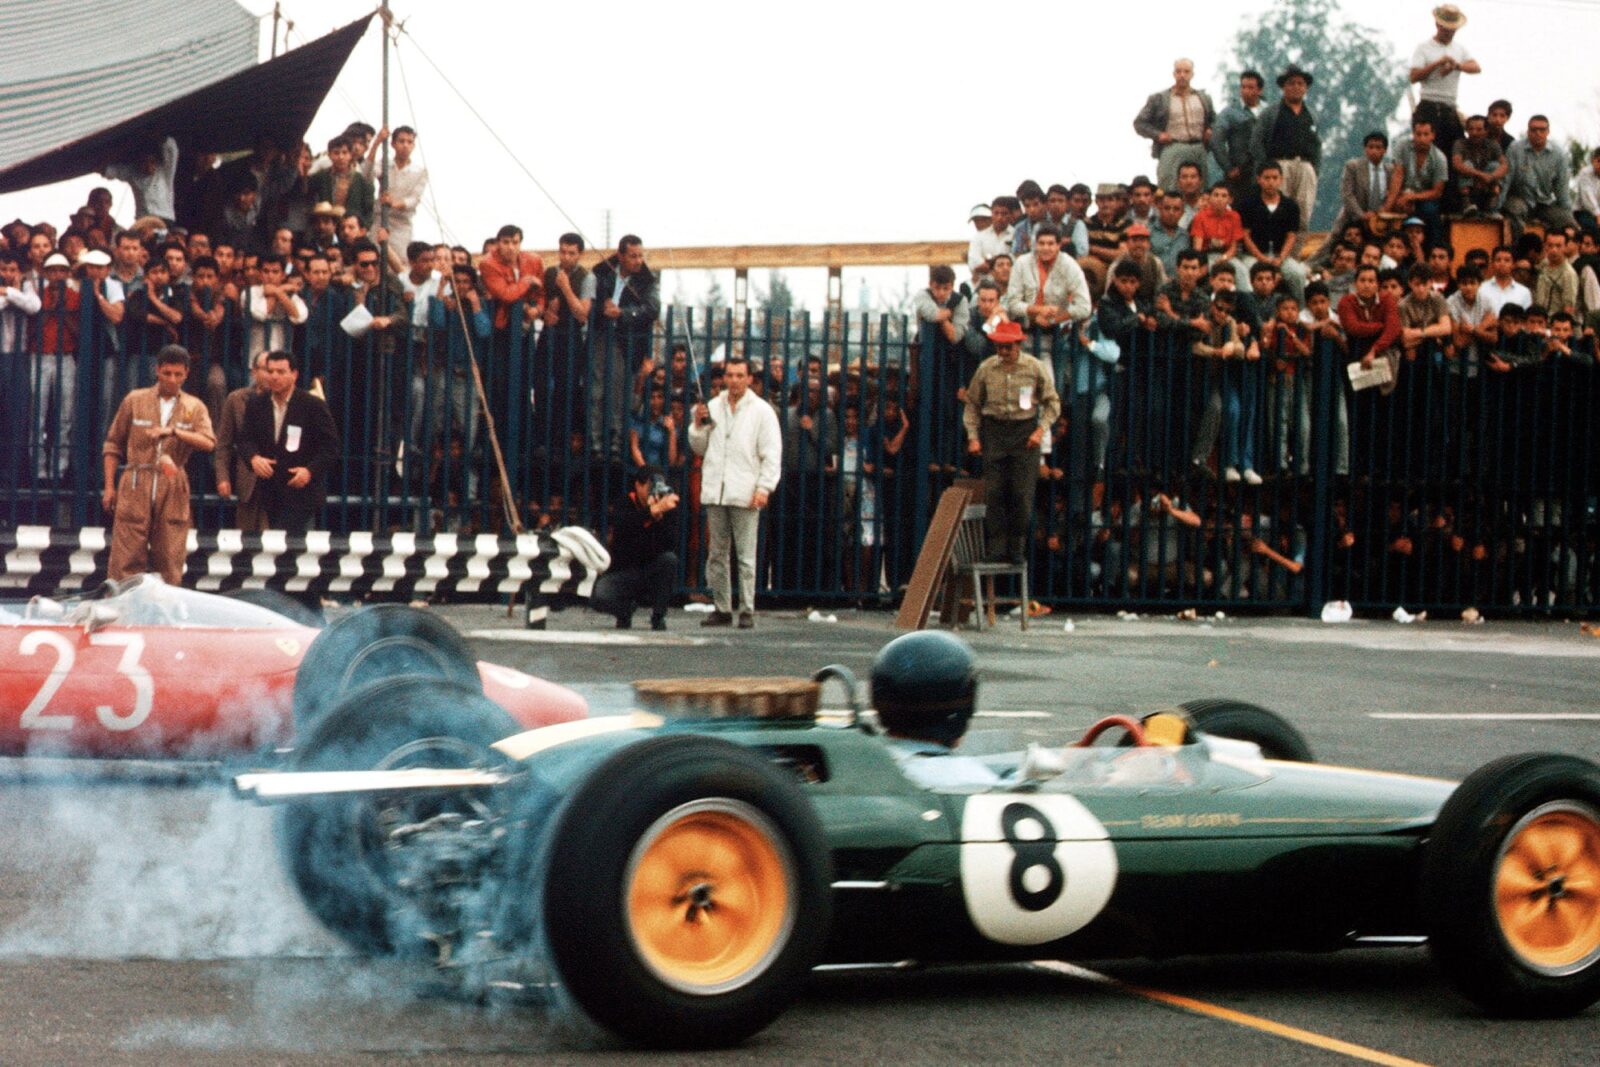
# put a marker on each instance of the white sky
(706, 122)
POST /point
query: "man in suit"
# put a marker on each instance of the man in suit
(1178, 122)
(289, 440)
(1364, 184)
(233, 471)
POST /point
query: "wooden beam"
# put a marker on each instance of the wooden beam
(777, 257)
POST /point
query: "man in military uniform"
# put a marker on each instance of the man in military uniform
(1011, 401)
(155, 431)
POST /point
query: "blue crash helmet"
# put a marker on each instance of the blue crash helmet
(925, 685)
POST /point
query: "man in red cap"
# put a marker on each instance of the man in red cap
(1011, 401)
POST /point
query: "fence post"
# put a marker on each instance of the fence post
(1327, 366)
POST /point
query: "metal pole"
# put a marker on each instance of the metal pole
(383, 207)
(277, 12)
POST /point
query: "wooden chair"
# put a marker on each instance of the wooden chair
(967, 562)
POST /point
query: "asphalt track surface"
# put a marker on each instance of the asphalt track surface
(143, 925)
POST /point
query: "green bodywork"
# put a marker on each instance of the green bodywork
(1215, 850)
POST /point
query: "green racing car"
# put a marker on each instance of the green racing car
(675, 875)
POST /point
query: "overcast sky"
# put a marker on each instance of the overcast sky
(705, 123)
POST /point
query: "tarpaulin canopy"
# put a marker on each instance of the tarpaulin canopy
(223, 113)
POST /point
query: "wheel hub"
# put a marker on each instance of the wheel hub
(1548, 888)
(699, 899)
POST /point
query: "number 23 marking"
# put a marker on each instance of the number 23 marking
(34, 716)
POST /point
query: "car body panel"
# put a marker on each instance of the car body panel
(1129, 852)
(154, 674)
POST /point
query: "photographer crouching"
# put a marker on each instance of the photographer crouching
(643, 565)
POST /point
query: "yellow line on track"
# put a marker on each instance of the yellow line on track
(1238, 1018)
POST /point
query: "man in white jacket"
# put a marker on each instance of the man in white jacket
(738, 434)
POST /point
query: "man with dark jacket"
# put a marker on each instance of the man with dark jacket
(643, 563)
(1286, 134)
(1178, 122)
(291, 444)
(626, 304)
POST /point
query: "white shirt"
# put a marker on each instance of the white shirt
(743, 450)
(152, 193)
(166, 404)
(986, 244)
(935, 767)
(420, 295)
(20, 303)
(1491, 293)
(272, 332)
(405, 184)
(1589, 191)
(1440, 87)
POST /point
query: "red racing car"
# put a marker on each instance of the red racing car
(139, 668)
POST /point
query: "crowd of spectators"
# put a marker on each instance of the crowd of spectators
(1186, 321)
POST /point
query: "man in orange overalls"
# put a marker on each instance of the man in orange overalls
(155, 431)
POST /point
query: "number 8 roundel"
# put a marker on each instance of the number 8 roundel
(1033, 868)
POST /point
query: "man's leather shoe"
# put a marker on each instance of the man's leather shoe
(717, 618)
(747, 621)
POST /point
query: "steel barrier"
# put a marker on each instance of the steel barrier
(1464, 486)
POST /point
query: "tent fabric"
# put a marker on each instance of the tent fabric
(73, 69)
(148, 95)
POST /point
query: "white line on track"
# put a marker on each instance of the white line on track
(583, 637)
(1491, 716)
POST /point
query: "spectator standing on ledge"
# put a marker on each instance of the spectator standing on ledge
(737, 434)
(1233, 141)
(151, 175)
(290, 442)
(1437, 64)
(1178, 122)
(1286, 134)
(1011, 400)
(643, 565)
(341, 184)
(406, 182)
(628, 302)
(154, 432)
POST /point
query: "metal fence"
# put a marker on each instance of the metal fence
(1465, 486)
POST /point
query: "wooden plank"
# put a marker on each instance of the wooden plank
(934, 559)
(776, 257)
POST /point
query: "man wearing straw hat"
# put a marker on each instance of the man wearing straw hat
(1437, 66)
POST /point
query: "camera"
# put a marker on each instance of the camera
(659, 486)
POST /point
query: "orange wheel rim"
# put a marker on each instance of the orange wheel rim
(1547, 888)
(710, 896)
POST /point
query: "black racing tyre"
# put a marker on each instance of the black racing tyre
(340, 851)
(687, 892)
(1275, 735)
(297, 610)
(383, 641)
(1510, 886)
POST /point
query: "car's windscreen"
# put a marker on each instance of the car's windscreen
(147, 601)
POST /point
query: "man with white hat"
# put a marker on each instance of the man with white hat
(55, 365)
(1437, 65)
(985, 243)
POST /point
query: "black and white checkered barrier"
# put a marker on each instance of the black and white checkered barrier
(537, 567)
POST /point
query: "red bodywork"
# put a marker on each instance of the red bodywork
(190, 691)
